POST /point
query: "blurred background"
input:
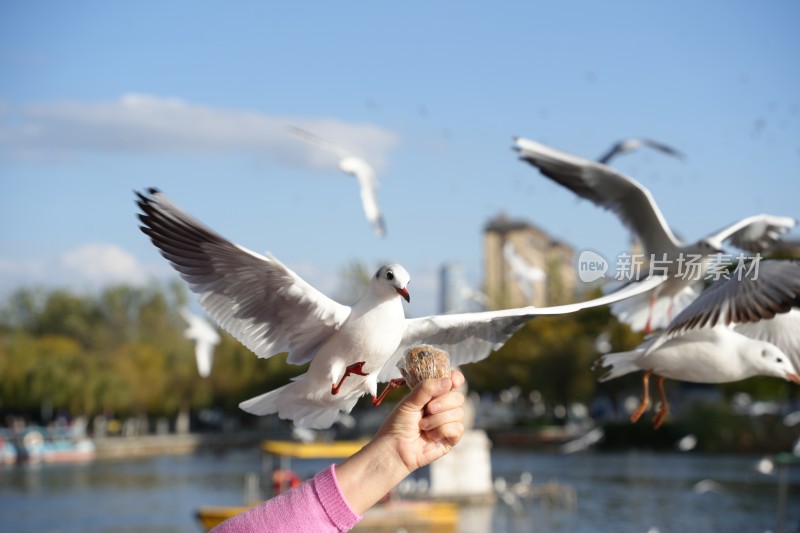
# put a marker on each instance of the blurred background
(198, 99)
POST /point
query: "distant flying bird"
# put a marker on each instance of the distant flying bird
(525, 273)
(584, 442)
(631, 145)
(271, 310)
(738, 328)
(707, 485)
(792, 419)
(765, 466)
(205, 338)
(681, 267)
(356, 167)
(687, 443)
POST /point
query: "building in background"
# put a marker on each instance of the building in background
(524, 265)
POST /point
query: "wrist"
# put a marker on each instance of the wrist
(387, 453)
(371, 473)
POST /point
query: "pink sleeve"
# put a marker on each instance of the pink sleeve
(315, 506)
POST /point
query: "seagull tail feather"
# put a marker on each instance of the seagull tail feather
(290, 403)
(618, 364)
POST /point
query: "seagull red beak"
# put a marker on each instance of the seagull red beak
(794, 378)
(404, 294)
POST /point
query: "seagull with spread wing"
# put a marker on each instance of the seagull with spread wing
(526, 274)
(205, 338)
(742, 326)
(633, 144)
(356, 167)
(271, 310)
(683, 266)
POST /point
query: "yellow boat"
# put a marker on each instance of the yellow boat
(417, 516)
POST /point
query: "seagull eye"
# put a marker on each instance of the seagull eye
(389, 276)
(779, 360)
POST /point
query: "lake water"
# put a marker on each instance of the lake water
(633, 492)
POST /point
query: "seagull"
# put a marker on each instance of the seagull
(271, 310)
(356, 167)
(526, 274)
(205, 337)
(705, 486)
(680, 266)
(687, 443)
(631, 145)
(584, 442)
(728, 333)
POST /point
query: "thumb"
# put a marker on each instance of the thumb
(425, 391)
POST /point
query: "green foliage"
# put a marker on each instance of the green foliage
(122, 352)
(552, 355)
(355, 279)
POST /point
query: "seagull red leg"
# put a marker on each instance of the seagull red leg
(393, 384)
(355, 368)
(663, 408)
(648, 328)
(645, 403)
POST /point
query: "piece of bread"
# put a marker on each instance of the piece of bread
(424, 362)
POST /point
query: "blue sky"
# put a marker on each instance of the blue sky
(98, 99)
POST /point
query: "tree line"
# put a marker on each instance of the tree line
(121, 351)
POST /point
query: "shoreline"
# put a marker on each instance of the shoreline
(176, 444)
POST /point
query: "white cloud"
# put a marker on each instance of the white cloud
(102, 263)
(93, 266)
(146, 124)
(90, 266)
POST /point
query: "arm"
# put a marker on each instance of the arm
(424, 426)
(411, 437)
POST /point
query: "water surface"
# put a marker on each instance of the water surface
(633, 492)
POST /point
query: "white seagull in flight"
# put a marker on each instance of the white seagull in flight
(271, 310)
(743, 326)
(205, 338)
(526, 274)
(356, 167)
(683, 266)
(631, 145)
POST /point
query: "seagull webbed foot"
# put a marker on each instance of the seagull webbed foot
(645, 403)
(355, 368)
(663, 409)
(393, 384)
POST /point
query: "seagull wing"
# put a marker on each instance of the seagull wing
(772, 289)
(205, 337)
(663, 148)
(615, 150)
(520, 267)
(631, 145)
(314, 140)
(257, 299)
(754, 234)
(604, 186)
(204, 354)
(368, 186)
(199, 328)
(471, 337)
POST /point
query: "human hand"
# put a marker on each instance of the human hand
(427, 423)
(423, 427)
